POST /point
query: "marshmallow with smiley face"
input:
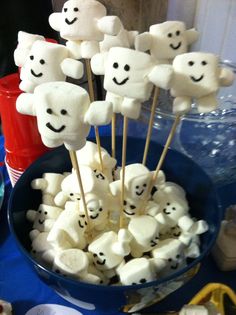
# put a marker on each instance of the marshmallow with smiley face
(198, 76)
(83, 24)
(166, 40)
(144, 230)
(68, 231)
(50, 185)
(48, 62)
(88, 155)
(64, 113)
(109, 250)
(169, 256)
(44, 218)
(128, 77)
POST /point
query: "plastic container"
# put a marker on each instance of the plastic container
(23, 143)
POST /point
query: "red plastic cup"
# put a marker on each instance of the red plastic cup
(23, 143)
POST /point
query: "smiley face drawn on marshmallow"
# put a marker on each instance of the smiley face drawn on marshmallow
(131, 207)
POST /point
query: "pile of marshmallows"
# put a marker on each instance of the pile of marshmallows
(156, 238)
(159, 233)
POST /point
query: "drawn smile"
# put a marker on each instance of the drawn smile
(120, 83)
(165, 211)
(153, 243)
(94, 216)
(71, 22)
(101, 263)
(174, 266)
(54, 129)
(139, 193)
(80, 224)
(35, 74)
(128, 213)
(175, 47)
(41, 221)
(198, 79)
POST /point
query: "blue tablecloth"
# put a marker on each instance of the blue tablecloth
(21, 286)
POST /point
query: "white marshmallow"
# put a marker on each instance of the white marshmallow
(42, 250)
(145, 232)
(68, 231)
(6, 308)
(44, 218)
(48, 62)
(197, 75)
(194, 310)
(171, 253)
(50, 185)
(99, 113)
(73, 262)
(136, 271)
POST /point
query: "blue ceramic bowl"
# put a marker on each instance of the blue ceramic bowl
(178, 168)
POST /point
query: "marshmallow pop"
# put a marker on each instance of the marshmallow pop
(64, 112)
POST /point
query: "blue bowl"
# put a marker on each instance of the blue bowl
(202, 198)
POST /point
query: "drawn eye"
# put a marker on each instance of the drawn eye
(40, 211)
(71, 194)
(190, 63)
(94, 255)
(204, 63)
(49, 111)
(143, 280)
(101, 254)
(177, 256)
(76, 9)
(65, 9)
(132, 207)
(63, 112)
(115, 65)
(45, 213)
(144, 185)
(127, 67)
(177, 33)
(168, 203)
(173, 208)
(169, 34)
(134, 283)
(137, 187)
(42, 61)
(32, 57)
(169, 259)
(100, 209)
(125, 202)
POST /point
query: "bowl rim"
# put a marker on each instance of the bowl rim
(119, 287)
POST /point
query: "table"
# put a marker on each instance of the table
(21, 286)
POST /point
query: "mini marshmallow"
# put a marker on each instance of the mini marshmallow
(84, 24)
(198, 76)
(194, 310)
(89, 156)
(166, 40)
(145, 234)
(71, 262)
(68, 231)
(44, 218)
(137, 271)
(48, 62)
(42, 250)
(126, 78)
(50, 185)
(104, 251)
(6, 308)
(25, 42)
(60, 108)
(171, 253)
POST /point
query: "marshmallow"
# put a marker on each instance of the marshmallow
(198, 75)
(89, 156)
(71, 262)
(145, 234)
(85, 24)
(60, 108)
(126, 78)
(194, 310)
(166, 40)
(106, 254)
(25, 42)
(6, 308)
(48, 62)
(42, 250)
(44, 218)
(136, 271)
(68, 231)
(171, 253)
(50, 185)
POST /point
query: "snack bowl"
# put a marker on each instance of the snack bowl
(202, 198)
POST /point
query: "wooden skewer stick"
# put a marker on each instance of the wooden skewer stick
(113, 136)
(75, 166)
(124, 149)
(150, 125)
(162, 158)
(92, 98)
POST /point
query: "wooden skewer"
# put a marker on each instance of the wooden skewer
(113, 136)
(75, 166)
(124, 149)
(150, 125)
(92, 98)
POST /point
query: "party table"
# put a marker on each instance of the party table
(20, 285)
